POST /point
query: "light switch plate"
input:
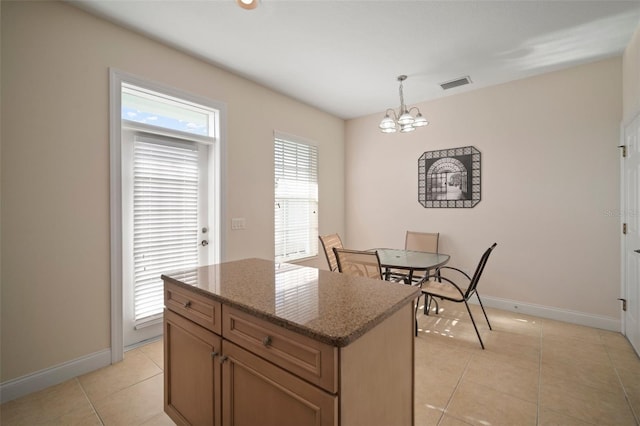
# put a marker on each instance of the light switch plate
(238, 223)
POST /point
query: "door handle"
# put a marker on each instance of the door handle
(637, 251)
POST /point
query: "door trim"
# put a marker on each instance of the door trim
(623, 287)
(115, 216)
(116, 78)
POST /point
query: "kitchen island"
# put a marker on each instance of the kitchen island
(253, 342)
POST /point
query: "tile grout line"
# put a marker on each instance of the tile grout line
(455, 390)
(636, 416)
(161, 367)
(539, 374)
(90, 401)
(138, 350)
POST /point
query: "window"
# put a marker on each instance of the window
(296, 199)
(161, 110)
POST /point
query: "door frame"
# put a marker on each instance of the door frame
(217, 188)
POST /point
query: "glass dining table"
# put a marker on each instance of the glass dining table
(410, 261)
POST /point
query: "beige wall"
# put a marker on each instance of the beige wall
(55, 171)
(631, 78)
(550, 178)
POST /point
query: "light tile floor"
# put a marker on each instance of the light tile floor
(533, 372)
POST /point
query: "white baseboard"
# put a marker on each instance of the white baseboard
(39, 380)
(574, 317)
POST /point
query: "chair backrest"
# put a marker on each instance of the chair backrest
(359, 263)
(422, 241)
(476, 275)
(328, 243)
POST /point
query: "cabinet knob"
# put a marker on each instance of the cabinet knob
(187, 304)
(267, 341)
(214, 354)
(223, 358)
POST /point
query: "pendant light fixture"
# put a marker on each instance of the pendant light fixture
(247, 4)
(404, 120)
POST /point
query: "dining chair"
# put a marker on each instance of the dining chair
(328, 243)
(447, 289)
(362, 264)
(417, 241)
(358, 263)
(422, 241)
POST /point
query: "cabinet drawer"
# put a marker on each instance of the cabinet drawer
(193, 306)
(303, 356)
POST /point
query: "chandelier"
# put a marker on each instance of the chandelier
(404, 120)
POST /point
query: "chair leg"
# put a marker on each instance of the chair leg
(474, 324)
(415, 313)
(483, 311)
(427, 305)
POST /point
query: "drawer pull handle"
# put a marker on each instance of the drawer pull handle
(187, 304)
(267, 341)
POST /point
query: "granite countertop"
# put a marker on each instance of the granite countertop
(328, 306)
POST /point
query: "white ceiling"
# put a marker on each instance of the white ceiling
(344, 56)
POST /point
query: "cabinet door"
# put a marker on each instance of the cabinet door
(256, 392)
(191, 372)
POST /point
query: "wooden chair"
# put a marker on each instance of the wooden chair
(447, 289)
(358, 263)
(328, 243)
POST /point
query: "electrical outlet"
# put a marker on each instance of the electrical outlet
(238, 223)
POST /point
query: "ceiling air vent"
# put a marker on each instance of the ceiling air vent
(455, 83)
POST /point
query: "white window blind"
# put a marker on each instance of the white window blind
(165, 217)
(296, 200)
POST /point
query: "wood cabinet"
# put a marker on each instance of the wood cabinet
(227, 366)
(256, 392)
(192, 374)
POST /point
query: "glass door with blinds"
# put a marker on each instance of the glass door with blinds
(165, 223)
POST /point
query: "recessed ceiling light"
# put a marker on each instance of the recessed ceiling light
(248, 4)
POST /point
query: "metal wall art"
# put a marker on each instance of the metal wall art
(449, 178)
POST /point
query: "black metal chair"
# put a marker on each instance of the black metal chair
(447, 289)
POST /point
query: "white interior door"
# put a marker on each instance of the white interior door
(631, 244)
